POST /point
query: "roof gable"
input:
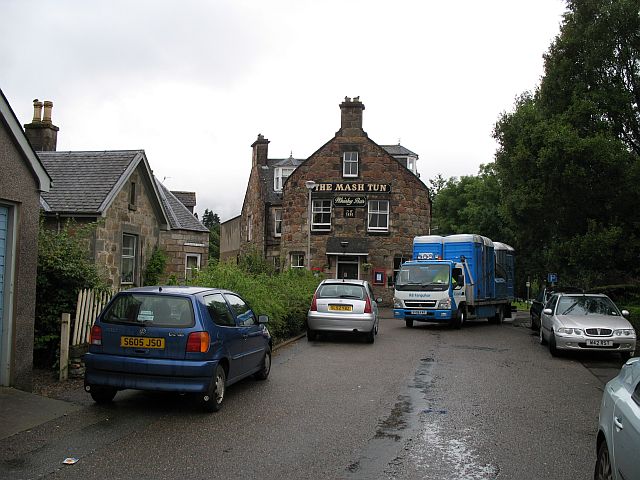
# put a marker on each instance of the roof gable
(180, 218)
(33, 162)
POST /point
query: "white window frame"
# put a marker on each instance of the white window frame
(377, 211)
(280, 174)
(128, 257)
(187, 270)
(297, 260)
(348, 159)
(411, 164)
(277, 222)
(323, 208)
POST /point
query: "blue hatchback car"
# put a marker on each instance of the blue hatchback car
(179, 339)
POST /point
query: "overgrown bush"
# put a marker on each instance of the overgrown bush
(285, 297)
(155, 267)
(63, 269)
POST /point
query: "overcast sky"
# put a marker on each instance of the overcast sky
(193, 82)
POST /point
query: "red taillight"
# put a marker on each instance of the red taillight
(314, 304)
(96, 335)
(367, 306)
(198, 342)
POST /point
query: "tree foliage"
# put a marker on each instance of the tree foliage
(212, 222)
(567, 163)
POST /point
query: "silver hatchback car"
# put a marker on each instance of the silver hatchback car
(343, 306)
(573, 321)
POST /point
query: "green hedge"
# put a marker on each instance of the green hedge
(285, 297)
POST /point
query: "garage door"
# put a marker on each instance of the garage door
(4, 217)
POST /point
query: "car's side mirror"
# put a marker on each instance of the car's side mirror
(625, 313)
(460, 280)
(547, 311)
(263, 319)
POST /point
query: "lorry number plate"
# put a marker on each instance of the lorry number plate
(419, 312)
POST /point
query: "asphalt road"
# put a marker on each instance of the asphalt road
(483, 402)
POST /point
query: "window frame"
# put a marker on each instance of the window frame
(128, 257)
(230, 315)
(298, 255)
(277, 222)
(321, 226)
(240, 322)
(351, 162)
(198, 256)
(371, 212)
(279, 178)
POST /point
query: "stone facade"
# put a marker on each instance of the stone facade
(347, 246)
(139, 219)
(178, 244)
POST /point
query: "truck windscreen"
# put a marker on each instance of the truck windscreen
(423, 277)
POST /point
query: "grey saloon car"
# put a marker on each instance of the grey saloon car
(618, 440)
(586, 322)
(343, 306)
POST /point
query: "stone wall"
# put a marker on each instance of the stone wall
(409, 205)
(140, 220)
(230, 239)
(177, 243)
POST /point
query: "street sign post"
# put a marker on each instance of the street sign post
(552, 278)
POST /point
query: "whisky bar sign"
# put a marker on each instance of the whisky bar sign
(342, 201)
(355, 187)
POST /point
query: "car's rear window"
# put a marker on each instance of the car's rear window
(341, 290)
(150, 310)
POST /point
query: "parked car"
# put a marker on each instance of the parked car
(618, 440)
(572, 321)
(538, 303)
(343, 306)
(178, 339)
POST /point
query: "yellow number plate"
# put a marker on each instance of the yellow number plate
(341, 308)
(142, 342)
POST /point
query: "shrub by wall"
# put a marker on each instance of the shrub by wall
(285, 297)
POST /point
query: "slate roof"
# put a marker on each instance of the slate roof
(266, 176)
(188, 199)
(180, 218)
(398, 150)
(84, 181)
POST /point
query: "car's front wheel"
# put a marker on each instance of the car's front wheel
(213, 398)
(101, 394)
(552, 345)
(263, 373)
(603, 464)
(541, 336)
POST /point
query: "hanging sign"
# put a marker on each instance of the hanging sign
(354, 187)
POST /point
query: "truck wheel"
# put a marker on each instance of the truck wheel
(408, 323)
(459, 320)
(498, 318)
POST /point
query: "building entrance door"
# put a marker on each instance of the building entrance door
(348, 267)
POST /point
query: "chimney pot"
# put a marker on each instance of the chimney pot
(48, 106)
(37, 110)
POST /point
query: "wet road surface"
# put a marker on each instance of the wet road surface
(483, 402)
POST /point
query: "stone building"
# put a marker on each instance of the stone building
(134, 212)
(22, 179)
(366, 203)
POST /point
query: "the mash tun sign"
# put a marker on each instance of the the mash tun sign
(354, 187)
(342, 201)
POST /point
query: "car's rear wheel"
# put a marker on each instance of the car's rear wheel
(263, 373)
(603, 464)
(371, 336)
(311, 335)
(534, 325)
(213, 398)
(408, 323)
(101, 394)
(552, 345)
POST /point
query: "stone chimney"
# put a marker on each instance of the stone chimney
(260, 150)
(351, 117)
(42, 134)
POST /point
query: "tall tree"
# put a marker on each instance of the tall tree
(212, 222)
(567, 162)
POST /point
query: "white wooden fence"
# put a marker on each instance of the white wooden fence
(90, 304)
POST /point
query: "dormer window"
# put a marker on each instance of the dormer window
(350, 164)
(411, 164)
(280, 175)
